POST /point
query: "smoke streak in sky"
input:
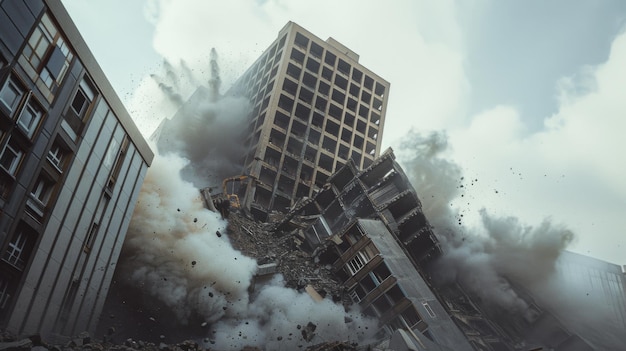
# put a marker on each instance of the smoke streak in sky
(207, 130)
(174, 253)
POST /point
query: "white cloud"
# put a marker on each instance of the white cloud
(239, 31)
(571, 170)
(414, 45)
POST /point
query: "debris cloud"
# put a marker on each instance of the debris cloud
(481, 261)
(207, 130)
(500, 255)
(175, 252)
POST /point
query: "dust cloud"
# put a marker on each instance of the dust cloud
(488, 258)
(177, 254)
(207, 130)
(505, 249)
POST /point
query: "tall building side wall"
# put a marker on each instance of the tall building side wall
(69, 176)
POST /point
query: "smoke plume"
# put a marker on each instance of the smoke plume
(481, 262)
(177, 253)
(485, 259)
(207, 130)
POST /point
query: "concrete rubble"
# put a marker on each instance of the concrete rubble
(85, 342)
(279, 253)
(361, 224)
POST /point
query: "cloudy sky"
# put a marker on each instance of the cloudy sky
(531, 94)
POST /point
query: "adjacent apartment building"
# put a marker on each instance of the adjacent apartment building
(369, 226)
(71, 166)
(314, 108)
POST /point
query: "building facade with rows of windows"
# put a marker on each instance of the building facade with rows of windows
(369, 227)
(314, 108)
(71, 166)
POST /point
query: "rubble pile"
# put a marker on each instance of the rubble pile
(85, 342)
(299, 268)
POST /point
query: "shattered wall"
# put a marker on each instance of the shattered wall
(380, 191)
(370, 226)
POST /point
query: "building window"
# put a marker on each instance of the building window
(56, 156)
(83, 98)
(410, 317)
(67, 304)
(301, 41)
(93, 230)
(79, 108)
(91, 237)
(11, 157)
(30, 117)
(11, 94)
(39, 197)
(357, 294)
(19, 249)
(355, 297)
(428, 309)
(42, 190)
(118, 164)
(359, 260)
(48, 53)
(5, 293)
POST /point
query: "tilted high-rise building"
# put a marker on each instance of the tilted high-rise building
(71, 166)
(314, 107)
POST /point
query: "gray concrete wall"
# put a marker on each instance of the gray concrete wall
(66, 277)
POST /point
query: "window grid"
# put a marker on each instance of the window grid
(41, 191)
(11, 94)
(11, 157)
(356, 263)
(15, 251)
(4, 293)
(30, 117)
(55, 156)
(41, 49)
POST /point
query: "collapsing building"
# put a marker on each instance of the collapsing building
(314, 107)
(370, 227)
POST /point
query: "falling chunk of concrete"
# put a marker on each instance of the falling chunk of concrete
(308, 332)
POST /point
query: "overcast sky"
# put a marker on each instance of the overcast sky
(532, 93)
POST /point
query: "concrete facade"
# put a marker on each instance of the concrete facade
(72, 163)
(314, 108)
(369, 226)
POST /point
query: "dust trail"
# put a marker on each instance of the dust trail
(208, 129)
(469, 259)
(173, 250)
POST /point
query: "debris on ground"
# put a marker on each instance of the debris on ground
(85, 342)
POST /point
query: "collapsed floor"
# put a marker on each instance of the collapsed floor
(370, 223)
(277, 252)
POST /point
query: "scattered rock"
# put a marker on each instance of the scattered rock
(24, 344)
